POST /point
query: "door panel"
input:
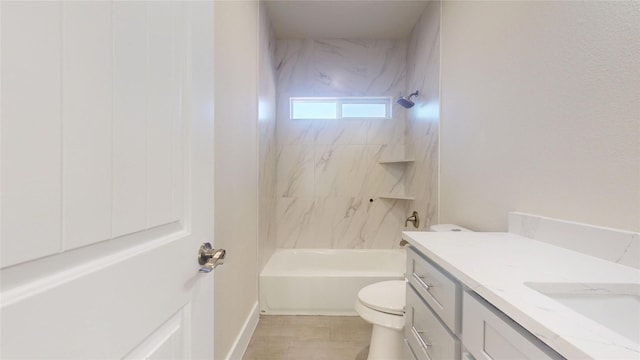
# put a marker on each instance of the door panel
(92, 311)
(31, 135)
(164, 89)
(129, 117)
(120, 138)
(86, 122)
(120, 157)
(168, 342)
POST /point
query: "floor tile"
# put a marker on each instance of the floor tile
(301, 332)
(309, 338)
(296, 320)
(350, 329)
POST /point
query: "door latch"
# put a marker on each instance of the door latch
(209, 257)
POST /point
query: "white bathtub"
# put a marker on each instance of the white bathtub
(323, 281)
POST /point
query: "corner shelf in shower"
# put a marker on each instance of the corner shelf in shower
(396, 161)
(396, 197)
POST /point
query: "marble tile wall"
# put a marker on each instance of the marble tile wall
(328, 170)
(423, 119)
(619, 246)
(267, 147)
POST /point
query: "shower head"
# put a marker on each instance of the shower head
(405, 101)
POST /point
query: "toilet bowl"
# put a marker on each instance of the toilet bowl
(382, 304)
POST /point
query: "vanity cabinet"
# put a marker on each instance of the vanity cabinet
(433, 310)
(445, 320)
(490, 334)
(426, 335)
(436, 287)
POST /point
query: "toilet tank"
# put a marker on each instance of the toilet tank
(447, 227)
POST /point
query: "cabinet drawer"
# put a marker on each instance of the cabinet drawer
(426, 335)
(489, 334)
(436, 287)
(409, 354)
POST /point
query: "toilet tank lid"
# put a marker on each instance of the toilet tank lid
(447, 227)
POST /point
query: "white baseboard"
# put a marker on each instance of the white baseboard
(243, 339)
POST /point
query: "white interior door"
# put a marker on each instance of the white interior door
(107, 179)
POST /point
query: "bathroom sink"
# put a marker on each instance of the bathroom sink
(615, 306)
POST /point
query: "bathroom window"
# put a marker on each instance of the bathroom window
(316, 108)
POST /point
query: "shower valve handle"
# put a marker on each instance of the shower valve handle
(413, 219)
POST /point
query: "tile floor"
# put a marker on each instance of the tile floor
(309, 338)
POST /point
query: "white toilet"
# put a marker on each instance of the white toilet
(382, 304)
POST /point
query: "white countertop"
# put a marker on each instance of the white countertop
(497, 265)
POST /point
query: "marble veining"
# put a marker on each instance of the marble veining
(296, 171)
(422, 122)
(296, 223)
(339, 222)
(328, 171)
(342, 220)
(622, 247)
(504, 269)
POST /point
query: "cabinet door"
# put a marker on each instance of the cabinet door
(409, 354)
(489, 334)
(426, 335)
(436, 287)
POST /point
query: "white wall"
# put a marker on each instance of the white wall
(236, 164)
(540, 112)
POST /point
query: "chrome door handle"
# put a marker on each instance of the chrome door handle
(209, 257)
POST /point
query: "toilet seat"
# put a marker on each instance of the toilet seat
(388, 296)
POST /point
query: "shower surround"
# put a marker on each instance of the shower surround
(423, 120)
(328, 170)
(329, 174)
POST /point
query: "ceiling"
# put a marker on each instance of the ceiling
(333, 19)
